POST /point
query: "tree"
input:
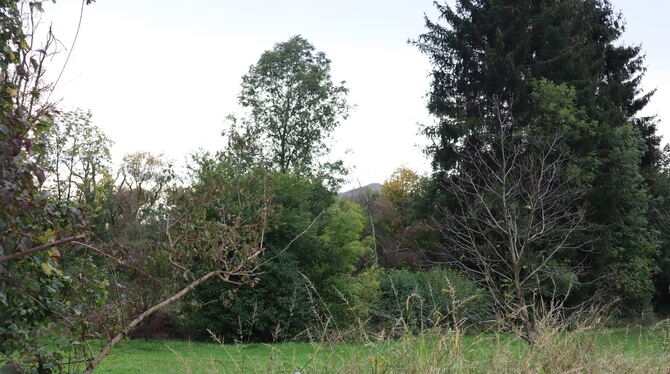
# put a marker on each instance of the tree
(395, 221)
(496, 57)
(77, 156)
(290, 94)
(511, 224)
(78, 167)
(661, 222)
(494, 51)
(214, 230)
(144, 178)
(400, 186)
(22, 115)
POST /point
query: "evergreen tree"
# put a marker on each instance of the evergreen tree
(521, 59)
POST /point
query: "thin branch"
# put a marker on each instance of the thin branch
(41, 248)
(103, 253)
(67, 59)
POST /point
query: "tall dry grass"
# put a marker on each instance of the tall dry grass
(563, 342)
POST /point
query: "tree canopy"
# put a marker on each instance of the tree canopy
(290, 93)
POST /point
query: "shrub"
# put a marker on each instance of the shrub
(313, 280)
(278, 308)
(419, 300)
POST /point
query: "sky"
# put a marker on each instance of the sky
(161, 75)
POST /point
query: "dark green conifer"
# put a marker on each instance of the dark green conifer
(523, 58)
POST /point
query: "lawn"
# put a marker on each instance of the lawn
(621, 349)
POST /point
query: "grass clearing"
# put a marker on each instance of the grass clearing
(638, 350)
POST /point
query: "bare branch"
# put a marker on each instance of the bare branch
(92, 365)
(41, 248)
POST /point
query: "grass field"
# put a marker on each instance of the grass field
(607, 351)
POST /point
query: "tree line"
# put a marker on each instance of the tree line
(548, 193)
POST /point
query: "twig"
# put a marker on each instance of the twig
(102, 253)
(67, 59)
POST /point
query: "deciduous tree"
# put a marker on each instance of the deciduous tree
(510, 226)
(290, 93)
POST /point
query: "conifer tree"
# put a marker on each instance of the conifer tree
(501, 55)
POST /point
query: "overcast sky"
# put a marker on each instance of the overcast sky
(161, 75)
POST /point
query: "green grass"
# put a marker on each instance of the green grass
(156, 356)
(621, 349)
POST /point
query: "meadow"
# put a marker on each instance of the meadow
(621, 350)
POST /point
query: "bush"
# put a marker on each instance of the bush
(326, 247)
(419, 300)
(277, 309)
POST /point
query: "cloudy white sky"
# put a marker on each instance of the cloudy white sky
(161, 75)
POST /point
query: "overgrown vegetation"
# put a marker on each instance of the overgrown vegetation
(546, 217)
(620, 350)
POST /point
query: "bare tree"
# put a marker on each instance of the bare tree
(512, 216)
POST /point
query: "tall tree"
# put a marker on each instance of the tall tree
(493, 50)
(491, 57)
(290, 93)
(77, 156)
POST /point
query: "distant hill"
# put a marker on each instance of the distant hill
(360, 190)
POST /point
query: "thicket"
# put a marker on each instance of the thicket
(253, 243)
(417, 301)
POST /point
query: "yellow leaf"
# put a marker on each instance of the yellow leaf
(50, 235)
(47, 268)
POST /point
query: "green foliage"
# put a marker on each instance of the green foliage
(339, 246)
(606, 165)
(279, 308)
(290, 93)
(47, 298)
(420, 300)
(556, 112)
(627, 244)
(300, 282)
(35, 292)
(218, 221)
(660, 220)
(556, 67)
